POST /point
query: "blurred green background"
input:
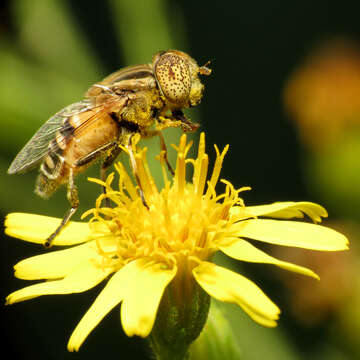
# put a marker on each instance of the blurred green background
(284, 94)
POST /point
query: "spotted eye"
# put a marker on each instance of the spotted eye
(173, 76)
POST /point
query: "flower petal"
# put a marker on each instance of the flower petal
(84, 277)
(282, 210)
(37, 228)
(289, 209)
(112, 294)
(141, 301)
(228, 286)
(292, 233)
(244, 251)
(56, 264)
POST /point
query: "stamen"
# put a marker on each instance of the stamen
(201, 150)
(163, 167)
(126, 180)
(152, 184)
(145, 182)
(180, 171)
(202, 174)
(180, 174)
(232, 193)
(217, 167)
(167, 216)
(198, 161)
(210, 192)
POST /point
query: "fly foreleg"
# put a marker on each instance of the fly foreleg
(178, 119)
(73, 198)
(95, 154)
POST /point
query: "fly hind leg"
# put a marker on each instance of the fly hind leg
(113, 151)
(73, 198)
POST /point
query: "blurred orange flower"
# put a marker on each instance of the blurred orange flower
(323, 94)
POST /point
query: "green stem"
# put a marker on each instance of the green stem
(181, 317)
(178, 352)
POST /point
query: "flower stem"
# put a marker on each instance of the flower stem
(179, 322)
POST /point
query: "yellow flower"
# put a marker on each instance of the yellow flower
(165, 246)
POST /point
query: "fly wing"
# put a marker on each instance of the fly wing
(131, 78)
(37, 147)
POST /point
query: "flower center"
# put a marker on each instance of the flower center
(181, 224)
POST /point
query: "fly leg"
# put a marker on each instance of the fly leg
(95, 154)
(114, 152)
(151, 133)
(187, 125)
(73, 198)
(178, 119)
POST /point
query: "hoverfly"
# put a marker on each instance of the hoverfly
(126, 102)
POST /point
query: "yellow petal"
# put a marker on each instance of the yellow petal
(140, 304)
(37, 228)
(292, 233)
(259, 318)
(282, 210)
(244, 251)
(228, 286)
(112, 294)
(84, 277)
(56, 264)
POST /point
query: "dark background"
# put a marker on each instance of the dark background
(253, 46)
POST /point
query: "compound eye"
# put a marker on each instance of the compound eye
(173, 76)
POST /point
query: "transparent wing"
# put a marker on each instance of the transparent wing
(37, 147)
(137, 77)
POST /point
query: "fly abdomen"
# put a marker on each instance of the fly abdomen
(67, 131)
(51, 170)
(51, 165)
